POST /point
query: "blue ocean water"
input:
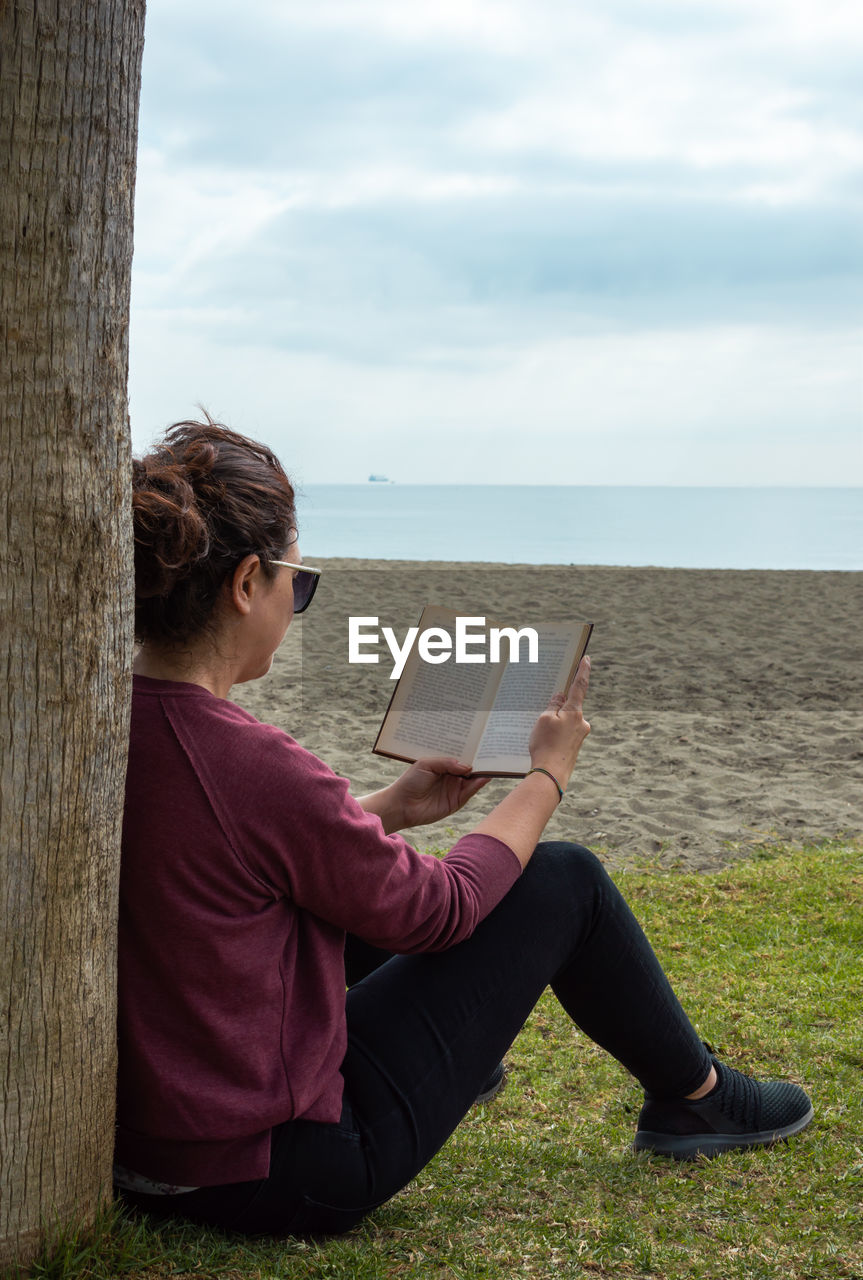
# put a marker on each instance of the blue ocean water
(697, 528)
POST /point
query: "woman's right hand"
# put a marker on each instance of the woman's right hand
(556, 738)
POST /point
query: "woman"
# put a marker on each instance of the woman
(254, 1094)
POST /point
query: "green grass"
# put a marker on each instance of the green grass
(768, 958)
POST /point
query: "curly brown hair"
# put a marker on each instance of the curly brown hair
(202, 500)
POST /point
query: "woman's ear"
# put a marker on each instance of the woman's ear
(243, 583)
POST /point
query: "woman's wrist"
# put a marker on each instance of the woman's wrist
(538, 768)
(519, 819)
(385, 804)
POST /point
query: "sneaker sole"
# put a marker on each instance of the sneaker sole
(689, 1146)
(488, 1094)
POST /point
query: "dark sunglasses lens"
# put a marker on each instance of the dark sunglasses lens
(304, 589)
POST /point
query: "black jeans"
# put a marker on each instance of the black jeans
(425, 1033)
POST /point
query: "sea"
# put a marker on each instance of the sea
(674, 527)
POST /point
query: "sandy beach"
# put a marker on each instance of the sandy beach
(726, 706)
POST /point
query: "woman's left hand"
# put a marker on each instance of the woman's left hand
(427, 791)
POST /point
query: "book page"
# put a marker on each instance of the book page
(524, 693)
(438, 708)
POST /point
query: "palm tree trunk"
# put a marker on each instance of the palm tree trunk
(69, 89)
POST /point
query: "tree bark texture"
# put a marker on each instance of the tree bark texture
(69, 89)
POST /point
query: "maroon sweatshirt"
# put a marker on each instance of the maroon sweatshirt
(245, 860)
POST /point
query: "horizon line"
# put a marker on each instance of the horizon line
(518, 484)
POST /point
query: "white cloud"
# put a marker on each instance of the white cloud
(183, 221)
(729, 405)
(629, 232)
(494, 24)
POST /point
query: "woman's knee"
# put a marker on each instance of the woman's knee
(560, 868)
(570, 858)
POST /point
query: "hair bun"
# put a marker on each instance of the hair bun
(199, 466)
(171, 535)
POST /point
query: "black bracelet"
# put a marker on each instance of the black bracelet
(539, 769)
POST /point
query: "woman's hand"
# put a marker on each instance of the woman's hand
(436, 787)
(561, 729)
(427, 791)
(519, 819)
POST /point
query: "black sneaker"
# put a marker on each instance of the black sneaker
(493, 1085)
(738, 1112)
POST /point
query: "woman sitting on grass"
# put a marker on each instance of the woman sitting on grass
(254, 1093)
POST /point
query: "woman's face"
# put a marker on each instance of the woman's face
(269, 618)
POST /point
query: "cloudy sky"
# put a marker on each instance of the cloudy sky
(514, 241)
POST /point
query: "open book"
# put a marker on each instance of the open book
(479, 711)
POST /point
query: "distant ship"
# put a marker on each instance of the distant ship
(375, 479)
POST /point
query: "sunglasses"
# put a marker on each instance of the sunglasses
(305, 583)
